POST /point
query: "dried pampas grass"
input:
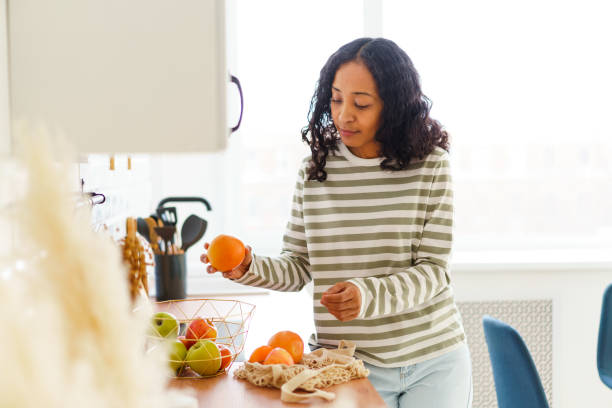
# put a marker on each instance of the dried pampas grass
(68, 335)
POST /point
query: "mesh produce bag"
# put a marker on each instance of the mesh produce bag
(319, 369)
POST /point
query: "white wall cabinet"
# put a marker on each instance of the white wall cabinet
(121, 76)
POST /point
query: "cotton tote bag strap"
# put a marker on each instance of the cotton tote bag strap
(341, 357)
(288, 393)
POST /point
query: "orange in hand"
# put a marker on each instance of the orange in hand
(225, 252)
(289, 341)
(260, 354)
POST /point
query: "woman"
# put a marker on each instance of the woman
(371, 225)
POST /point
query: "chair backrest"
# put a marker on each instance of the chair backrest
(517, 382)
(604, 342)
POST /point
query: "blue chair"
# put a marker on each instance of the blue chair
(604, 343)
(517, 382)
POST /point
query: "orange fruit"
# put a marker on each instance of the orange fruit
(279, 356)
(289, 341)
(226, 356)
(225, 252)
(260, 354)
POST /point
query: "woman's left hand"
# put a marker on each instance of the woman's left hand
(343, 300)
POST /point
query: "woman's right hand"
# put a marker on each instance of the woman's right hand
(235, 273)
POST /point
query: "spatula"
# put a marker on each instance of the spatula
(192, 230)
(166, 233)
(167, 215)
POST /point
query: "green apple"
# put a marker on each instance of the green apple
(204, 357)
(165, 325)
(178, 352)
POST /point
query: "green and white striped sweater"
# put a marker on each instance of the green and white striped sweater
(389, 233)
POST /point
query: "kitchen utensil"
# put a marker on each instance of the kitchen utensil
(153, 237)
(192, 231)
(167, 215)
(202, 200)
(143, 228)
(166, 233)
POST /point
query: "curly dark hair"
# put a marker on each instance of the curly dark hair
(406, 130)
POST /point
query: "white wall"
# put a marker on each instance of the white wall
(577, 293)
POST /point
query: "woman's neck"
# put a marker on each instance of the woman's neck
(370, 151)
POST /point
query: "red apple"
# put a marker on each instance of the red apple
(201, 329)
(187, 343)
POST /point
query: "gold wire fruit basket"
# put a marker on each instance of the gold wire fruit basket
(229, 320)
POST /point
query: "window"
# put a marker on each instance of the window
(523, 87)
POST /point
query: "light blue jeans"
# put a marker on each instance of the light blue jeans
(442, 382)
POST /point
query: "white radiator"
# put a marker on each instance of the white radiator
(531, 318)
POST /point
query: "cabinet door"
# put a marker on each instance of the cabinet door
(121, 76)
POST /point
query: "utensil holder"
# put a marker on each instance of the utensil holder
(170, 276)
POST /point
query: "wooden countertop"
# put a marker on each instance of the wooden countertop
(226, 391)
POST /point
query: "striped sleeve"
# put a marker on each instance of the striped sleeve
(290, 271)
(429, 274)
